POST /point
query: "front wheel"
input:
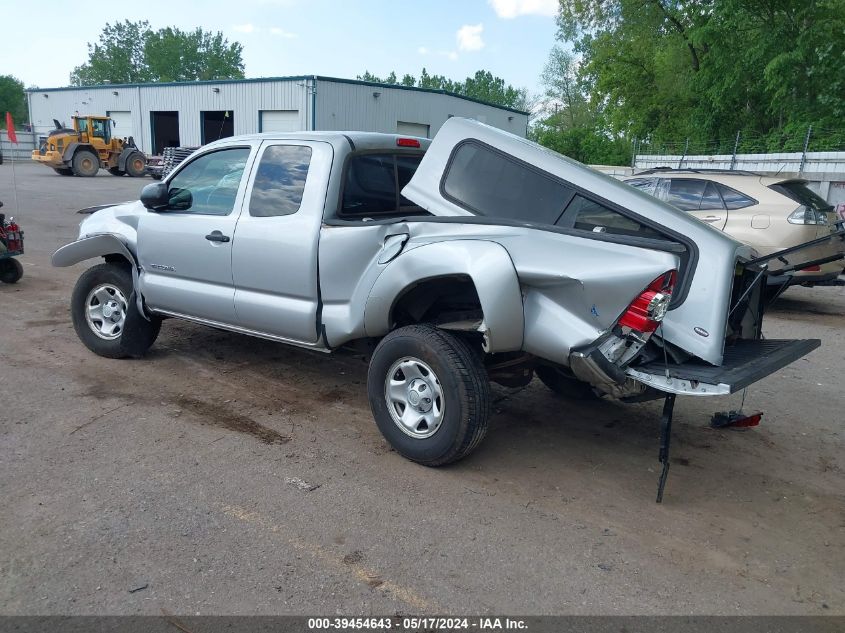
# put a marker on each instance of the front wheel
(429, 394)
(85, 163)
(11, 271)
(101, 309)
(136, 164)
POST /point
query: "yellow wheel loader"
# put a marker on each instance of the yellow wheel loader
(87, 147)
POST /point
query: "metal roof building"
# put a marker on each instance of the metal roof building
(195, 113)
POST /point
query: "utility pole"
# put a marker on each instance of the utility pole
(804, 153)
(736, 147)
(686, 148)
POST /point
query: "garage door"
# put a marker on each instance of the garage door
(412, 129)
(122, 123)
(280, 121)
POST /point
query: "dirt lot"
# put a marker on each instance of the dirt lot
(223, 474)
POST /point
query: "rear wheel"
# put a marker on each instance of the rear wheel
(136, 164)
(116, 171)
(85, 163)
(101, 308)
(10, 270)
(429, 394)
(565, 384)
(63, 171)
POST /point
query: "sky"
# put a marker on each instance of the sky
(338, 38)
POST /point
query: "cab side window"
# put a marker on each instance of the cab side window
(101, 130)
(280, 181)
(208, 185)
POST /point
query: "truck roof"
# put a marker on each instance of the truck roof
(352, 139)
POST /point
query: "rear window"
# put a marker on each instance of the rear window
(492, 184)
(802, 194)
(373, 183)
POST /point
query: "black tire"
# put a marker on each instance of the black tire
(459, 375)
(564, 384)
(115, 171)
(63, 171)
(136, 165)
(10, 271)
(85, 163)
(129, 341)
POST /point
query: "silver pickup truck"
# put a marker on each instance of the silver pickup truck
(478, 256)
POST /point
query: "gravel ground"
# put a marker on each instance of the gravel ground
(223, 474)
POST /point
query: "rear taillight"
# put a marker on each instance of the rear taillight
(806, 215)
(647, 311)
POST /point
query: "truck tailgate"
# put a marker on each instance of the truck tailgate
(745, 362)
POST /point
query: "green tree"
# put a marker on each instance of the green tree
(117, 58)
(486, 87)
(175, 55)
(131, 52)
(12, 100)
(574, 125)
(675, 69)
(483, 85)
(563, 88)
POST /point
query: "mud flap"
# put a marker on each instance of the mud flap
(132, 341)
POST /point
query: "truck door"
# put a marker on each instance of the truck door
(274, 257)
(185, 250)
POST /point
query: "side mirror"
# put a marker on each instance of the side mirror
(155, 196)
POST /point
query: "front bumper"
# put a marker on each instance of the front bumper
(51, 158)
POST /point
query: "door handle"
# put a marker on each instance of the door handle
(217, 236)
(712, 218)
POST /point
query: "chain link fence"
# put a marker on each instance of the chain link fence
(792, 150)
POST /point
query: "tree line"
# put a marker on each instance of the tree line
(702, 70)
(483, 85)
(646, 71)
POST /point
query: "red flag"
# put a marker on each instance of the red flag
(10, 129)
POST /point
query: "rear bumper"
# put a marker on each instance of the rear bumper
(745, 362)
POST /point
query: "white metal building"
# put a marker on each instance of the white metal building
(194, 113)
